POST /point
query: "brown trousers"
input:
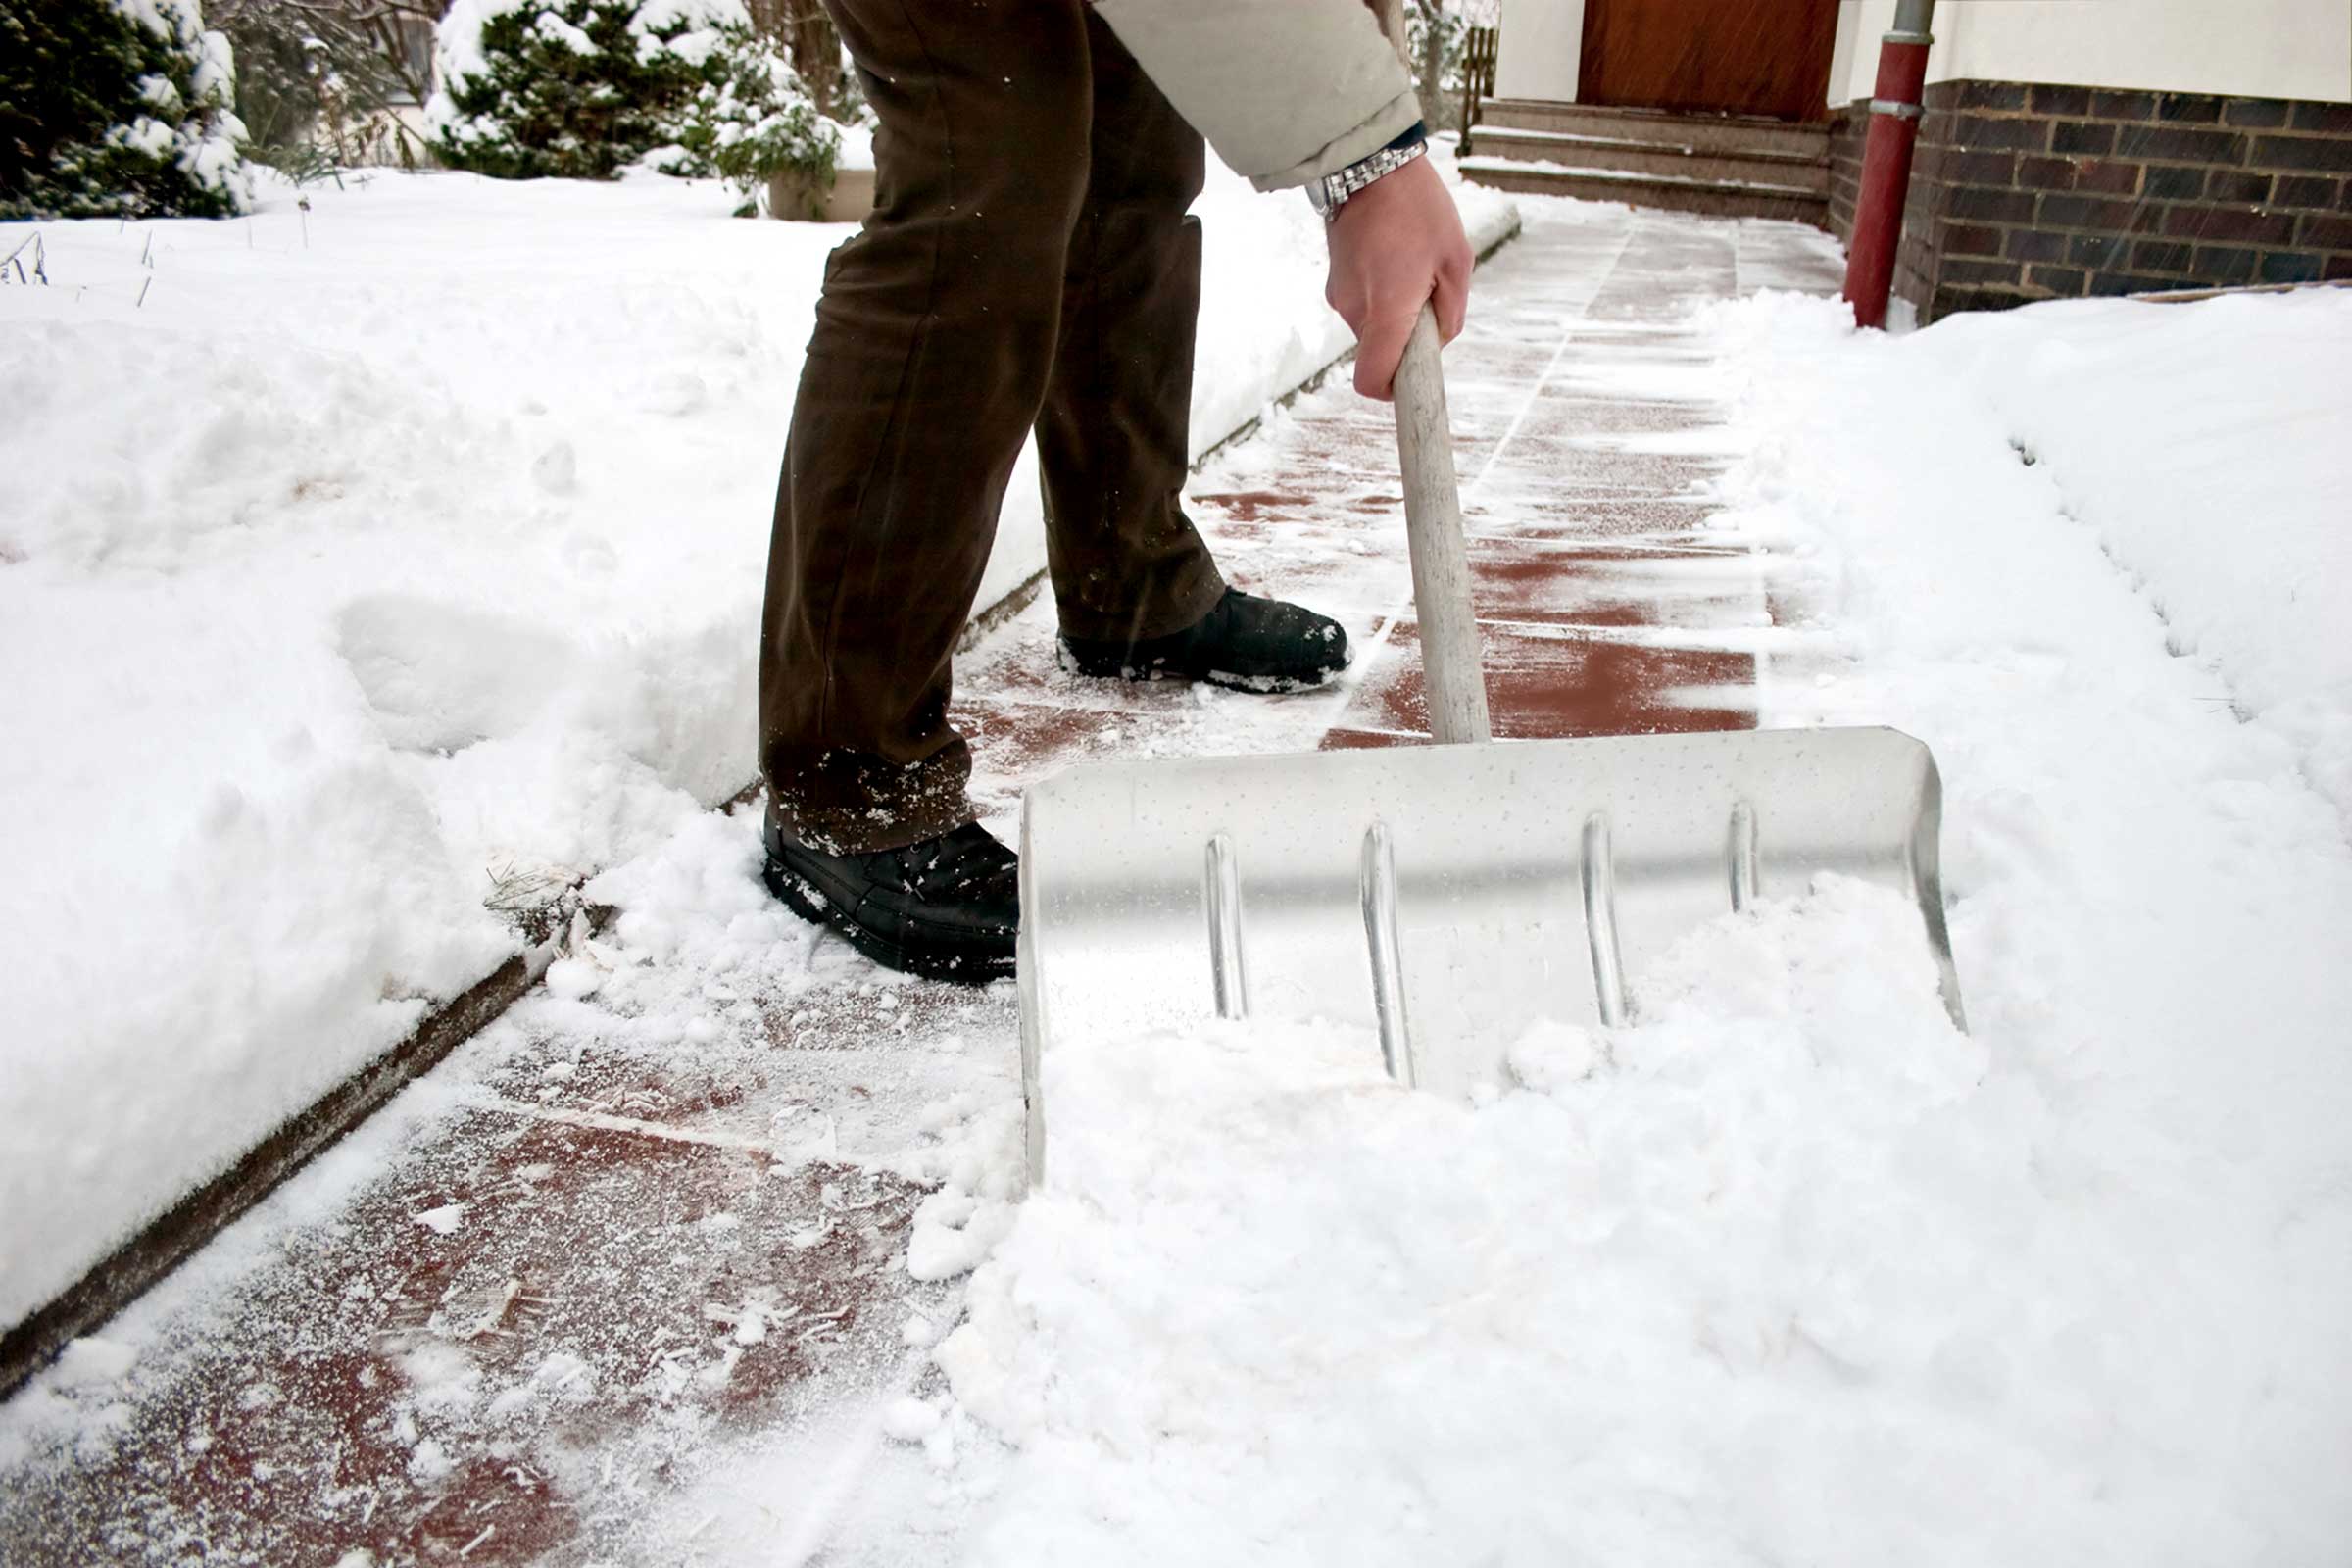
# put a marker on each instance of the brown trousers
(1028, 263)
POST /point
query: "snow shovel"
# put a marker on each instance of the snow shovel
(1444, 897)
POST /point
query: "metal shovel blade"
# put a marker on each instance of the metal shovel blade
(1446, 895)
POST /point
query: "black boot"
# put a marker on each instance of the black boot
(1247, 643)
(946, 908)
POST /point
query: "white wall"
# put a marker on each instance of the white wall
(2248, 48)
(1542, 44)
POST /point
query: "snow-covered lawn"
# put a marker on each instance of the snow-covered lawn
(352, 557)
(1790, 1271)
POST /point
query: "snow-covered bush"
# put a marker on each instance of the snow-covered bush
(117, 107)
(757, 120)
(580, 88)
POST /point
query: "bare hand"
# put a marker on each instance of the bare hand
(1396, 244)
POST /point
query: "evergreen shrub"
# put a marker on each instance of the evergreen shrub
(583, 89)
(754, 121)
(116, 108)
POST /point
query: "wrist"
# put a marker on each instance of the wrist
(1327, 194)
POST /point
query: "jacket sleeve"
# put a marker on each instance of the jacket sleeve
(1285, 90)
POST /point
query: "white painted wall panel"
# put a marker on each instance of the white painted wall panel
(2250, 48)
(1542, 43)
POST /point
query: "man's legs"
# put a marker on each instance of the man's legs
(1113, 434)
(1136, 589)
(1028, 260)
(933, 347)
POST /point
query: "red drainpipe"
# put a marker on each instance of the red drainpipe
(1886, 161)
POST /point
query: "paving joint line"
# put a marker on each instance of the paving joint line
(605, 1121)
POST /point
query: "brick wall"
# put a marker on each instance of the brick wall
(1848, 130)
(2025, 192)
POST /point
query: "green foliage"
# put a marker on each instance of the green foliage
(112, 109)
(275, 96)
(572, 88)
(756, 121)
(583, 89)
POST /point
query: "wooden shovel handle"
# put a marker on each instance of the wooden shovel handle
(1451, 670)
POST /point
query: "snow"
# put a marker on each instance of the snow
(909, 1420)
(369, 550)
(145, 135)
(1486, 164)
(856, 146)
(563, 34)
(2141, 875)
(442, 1221)
(1533, 1326)
(172, 19)
(215, 72)
(2179, 437)
(94, 1360)
(1789, 1271)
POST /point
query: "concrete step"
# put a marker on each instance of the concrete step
(1710, 198)
(1732, 135)
(1808, 171)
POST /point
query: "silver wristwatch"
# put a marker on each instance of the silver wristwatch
(1327, 194)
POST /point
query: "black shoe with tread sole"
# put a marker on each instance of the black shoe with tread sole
(1244, 643)
(946, 909)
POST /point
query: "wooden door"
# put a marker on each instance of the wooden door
(1739, 57)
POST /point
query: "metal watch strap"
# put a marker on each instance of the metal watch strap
(1329, 193)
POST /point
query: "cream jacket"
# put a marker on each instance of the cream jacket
(1285, 90)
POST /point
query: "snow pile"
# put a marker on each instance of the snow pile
(2149, 896)
(371, 583)
(357, 557)
(2206, 446)
(1789, 1271)
(1775, 1275)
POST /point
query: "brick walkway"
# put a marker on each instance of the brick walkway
(627, 1272)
